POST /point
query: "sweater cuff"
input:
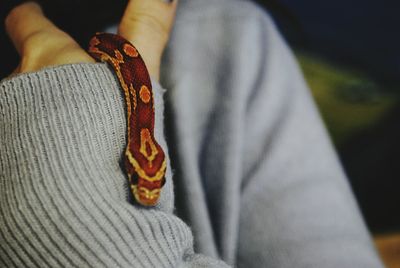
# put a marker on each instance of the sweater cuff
(78, 112)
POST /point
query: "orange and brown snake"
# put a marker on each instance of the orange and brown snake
(144, 159)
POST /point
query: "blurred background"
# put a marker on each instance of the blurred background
(349, 53)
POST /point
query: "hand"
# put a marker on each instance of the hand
(146, 24)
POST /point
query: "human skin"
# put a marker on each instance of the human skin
(40, 44)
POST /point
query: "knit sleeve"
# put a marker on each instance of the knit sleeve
(63, 196)
(297, 209)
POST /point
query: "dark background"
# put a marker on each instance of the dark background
(361, 36)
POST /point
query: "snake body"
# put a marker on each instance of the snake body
(144, 159)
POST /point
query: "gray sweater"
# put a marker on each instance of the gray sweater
(252, 177)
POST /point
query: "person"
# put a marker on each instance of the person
(252, 178)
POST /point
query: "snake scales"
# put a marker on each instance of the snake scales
(144, 159)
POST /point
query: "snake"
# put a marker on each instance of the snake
(143, 159)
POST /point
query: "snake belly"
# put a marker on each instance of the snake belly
(144, 159)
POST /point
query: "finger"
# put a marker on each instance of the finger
(147, 25)
(39, 42)
(24, 21)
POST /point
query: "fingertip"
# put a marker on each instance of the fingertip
(153, 16)
(24, 20)
(147, 25)
(20, 10)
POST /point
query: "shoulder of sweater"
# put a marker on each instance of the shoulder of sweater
(223, 10)
(211, 37)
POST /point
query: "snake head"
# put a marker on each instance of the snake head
(147, 193)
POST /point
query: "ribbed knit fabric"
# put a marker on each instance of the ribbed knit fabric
(63, 195)
(257, 182)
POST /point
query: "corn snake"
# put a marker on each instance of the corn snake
(144, 159)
